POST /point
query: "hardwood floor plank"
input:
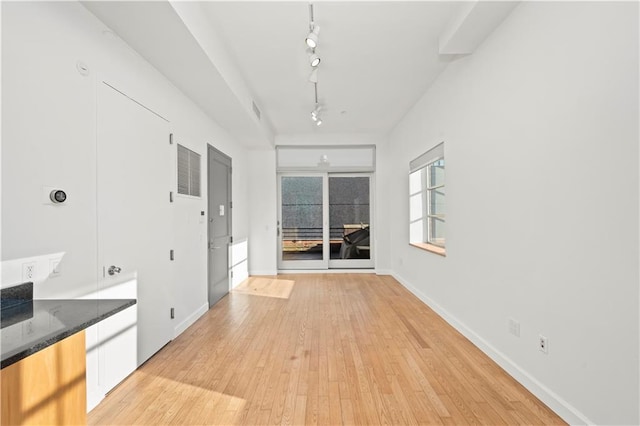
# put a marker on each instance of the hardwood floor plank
(279, 400)
(263, 418)
(300, 413)
(335, 413)
(347, 412)
(311, 410)
(322, 349)
(323, 410)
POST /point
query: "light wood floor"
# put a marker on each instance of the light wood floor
(353, 349)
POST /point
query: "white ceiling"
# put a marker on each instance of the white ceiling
(378, 58)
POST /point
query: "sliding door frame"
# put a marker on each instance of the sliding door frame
(305, 264)
(326, 262)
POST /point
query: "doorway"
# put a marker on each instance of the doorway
(324, 221)
(219, 224)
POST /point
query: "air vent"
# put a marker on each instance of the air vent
(256, 110)
(188, 172)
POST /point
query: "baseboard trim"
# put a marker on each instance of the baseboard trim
(384, 272)
(266, 272)
(327, 271)
(180, 328)
(561, 407)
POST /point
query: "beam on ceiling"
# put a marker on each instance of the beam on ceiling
(196, 21)
(472, 24)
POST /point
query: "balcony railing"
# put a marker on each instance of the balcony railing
(302, 239)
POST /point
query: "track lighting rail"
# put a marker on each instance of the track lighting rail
(314, 61)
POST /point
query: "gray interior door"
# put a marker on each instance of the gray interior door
(219, 187)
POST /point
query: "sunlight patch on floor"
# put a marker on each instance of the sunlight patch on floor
(266, 287)
(190, 403)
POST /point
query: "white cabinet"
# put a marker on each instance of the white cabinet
(111, 344)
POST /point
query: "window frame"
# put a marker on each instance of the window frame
(423, 165)
(430, 214)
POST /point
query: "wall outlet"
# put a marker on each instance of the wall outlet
(543, 344)
(514, 327)
(28, 271)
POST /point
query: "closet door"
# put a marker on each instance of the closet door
(133, 164)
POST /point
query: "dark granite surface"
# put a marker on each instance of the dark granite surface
(16, 313)
(50, 322)
(16, 304)
(16, 295)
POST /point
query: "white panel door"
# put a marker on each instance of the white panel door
(133, 180)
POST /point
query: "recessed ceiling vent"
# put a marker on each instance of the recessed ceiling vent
(256, 110)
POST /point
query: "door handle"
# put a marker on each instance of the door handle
(114, 270)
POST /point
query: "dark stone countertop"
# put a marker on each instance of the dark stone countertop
(43, 323)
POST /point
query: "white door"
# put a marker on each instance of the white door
(133, 178)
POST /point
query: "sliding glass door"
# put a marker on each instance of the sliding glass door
(303, 242)
(324, 221)
(350, 221)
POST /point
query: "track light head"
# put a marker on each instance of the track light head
(312, 37)
(314, 60)
(315, 115)
(313, 77)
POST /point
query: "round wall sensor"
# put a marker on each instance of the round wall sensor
(58, 196)
(82, 68)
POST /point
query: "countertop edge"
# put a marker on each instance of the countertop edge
(64, 334)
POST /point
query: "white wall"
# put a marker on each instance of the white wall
(541, 143)
(263, 258)
(190, 242)
(49, 138)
